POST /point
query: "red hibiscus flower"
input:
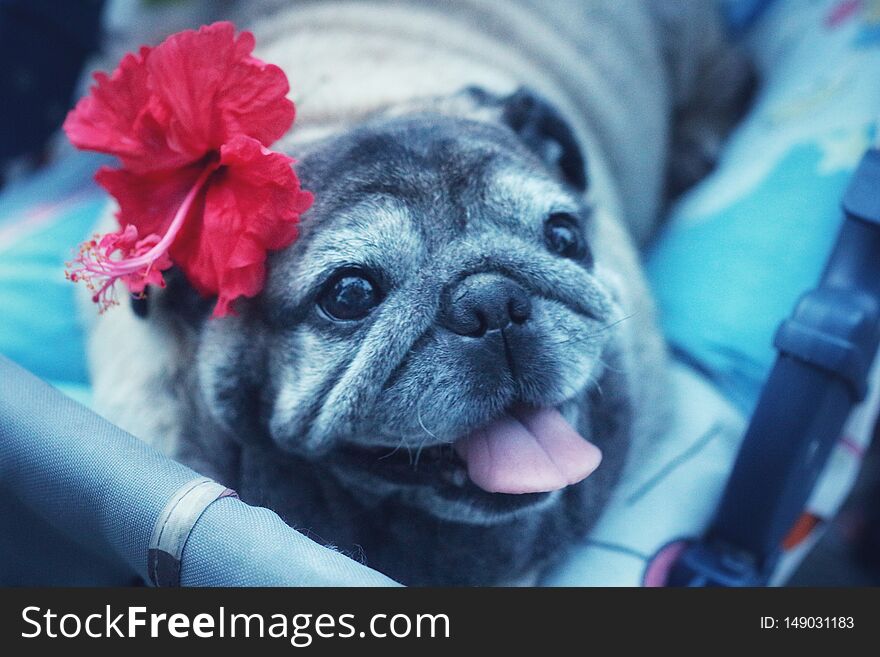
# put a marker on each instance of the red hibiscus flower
(190, 120)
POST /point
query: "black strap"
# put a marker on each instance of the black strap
(826, 349)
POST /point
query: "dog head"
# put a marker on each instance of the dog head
(434, 331)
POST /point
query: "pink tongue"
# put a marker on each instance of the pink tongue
(527, 451)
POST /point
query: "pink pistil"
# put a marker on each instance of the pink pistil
(141, 261)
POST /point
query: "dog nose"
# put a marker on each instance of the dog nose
(484, 302)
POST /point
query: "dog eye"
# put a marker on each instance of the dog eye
(349, 295)
(563, 236)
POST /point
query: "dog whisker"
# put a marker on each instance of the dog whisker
(394, 451)
(615, 323)
(607, 366)
(421, 422)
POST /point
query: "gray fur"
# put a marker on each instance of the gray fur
(281, 393)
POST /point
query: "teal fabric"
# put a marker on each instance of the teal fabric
(42, 220)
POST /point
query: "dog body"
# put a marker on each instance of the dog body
(463, 276)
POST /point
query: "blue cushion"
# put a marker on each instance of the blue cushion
(740, 248)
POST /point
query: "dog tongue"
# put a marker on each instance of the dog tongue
(527, 451)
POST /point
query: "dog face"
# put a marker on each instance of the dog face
(442, 293)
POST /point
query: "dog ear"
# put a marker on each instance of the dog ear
(542, 128)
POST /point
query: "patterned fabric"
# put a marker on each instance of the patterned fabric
(737, 253)
(655, 502)
(748, 241)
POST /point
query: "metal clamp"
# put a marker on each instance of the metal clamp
(174, 526)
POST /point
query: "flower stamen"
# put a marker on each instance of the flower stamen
(123, 256)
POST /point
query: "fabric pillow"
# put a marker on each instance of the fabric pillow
(748, 241)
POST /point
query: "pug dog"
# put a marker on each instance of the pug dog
(462, 332)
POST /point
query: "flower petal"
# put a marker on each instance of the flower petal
(254, 102)
(171, 105)
(104, 120)
(190, 120)
(114, 118)
(148, 201)
(252, 205)
(214, 90)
